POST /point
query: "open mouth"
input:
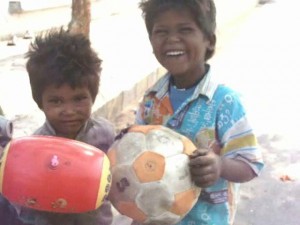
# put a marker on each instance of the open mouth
(174, 53)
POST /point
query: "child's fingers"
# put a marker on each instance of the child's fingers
(199, 152)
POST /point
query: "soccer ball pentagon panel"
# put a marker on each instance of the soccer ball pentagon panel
(151, 181)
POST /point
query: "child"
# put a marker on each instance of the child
(6, 131)
(64, 73)
(186, 99)
(8, 214)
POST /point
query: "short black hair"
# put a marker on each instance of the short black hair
(203, 12)
(57, 57)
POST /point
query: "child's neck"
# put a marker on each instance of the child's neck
(183, 83)
(185, 86)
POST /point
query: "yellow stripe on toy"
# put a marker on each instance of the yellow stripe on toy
(105, 182)
(2, 164)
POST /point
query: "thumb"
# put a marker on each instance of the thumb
(199, 152)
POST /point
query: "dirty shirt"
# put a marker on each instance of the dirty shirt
(212, 113)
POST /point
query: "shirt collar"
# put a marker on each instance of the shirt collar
(81, 132)
(206, 87)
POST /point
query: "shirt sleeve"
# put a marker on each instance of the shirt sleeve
(139, 115)
(238, 139)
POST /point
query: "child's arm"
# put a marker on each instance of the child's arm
(240, 159)
(207, 167)
(6, 130)
(235, 170)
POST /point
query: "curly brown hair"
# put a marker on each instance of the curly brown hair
(57, 57)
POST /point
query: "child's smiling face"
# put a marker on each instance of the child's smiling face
(66, 108)
(180, 45)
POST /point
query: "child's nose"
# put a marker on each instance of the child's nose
(69, 108)
(173, 36)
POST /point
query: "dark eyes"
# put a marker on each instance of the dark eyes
(159, 32)
(80, 98)
(55, 101)
(186, 30)
(165, 31)
(76, 99)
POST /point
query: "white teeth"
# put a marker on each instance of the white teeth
(174, 53)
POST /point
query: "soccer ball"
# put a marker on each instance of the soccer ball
(151, 181)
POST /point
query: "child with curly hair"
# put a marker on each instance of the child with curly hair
(64, 73)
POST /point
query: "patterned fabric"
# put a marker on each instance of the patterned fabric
(99, 133)
(213, 114)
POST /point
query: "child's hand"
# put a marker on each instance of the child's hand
(205, 167)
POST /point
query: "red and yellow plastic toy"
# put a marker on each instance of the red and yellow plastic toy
(54, 174)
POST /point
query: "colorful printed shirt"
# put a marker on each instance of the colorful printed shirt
(213, 113)
(99, 133)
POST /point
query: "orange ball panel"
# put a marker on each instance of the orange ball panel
(53, 174)
(183, 202)
(143, 129)
(189, 147)
(149, 166)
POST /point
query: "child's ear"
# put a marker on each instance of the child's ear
(211, 46)
(212, 41)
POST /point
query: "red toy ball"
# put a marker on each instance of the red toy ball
(54, 174)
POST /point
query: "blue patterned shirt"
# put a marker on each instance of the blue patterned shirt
(214, 113)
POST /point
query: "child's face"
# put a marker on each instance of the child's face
(180, 45)
(67, 109)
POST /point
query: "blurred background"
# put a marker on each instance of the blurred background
(257, 53)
